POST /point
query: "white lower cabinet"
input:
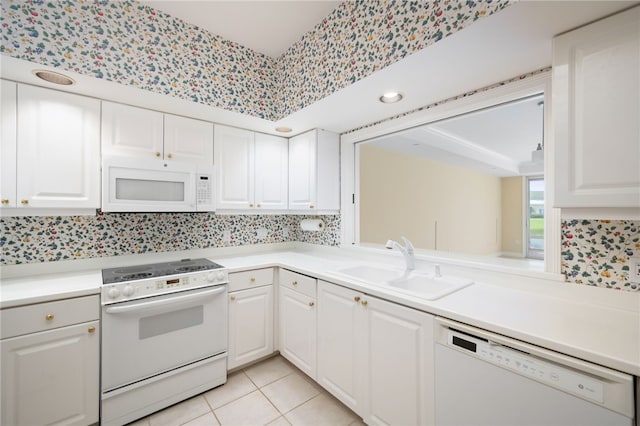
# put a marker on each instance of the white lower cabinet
(375, 356)
(51, 376)
(298, 320)
(250, 317)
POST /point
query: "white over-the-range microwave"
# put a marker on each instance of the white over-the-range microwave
(141, 185)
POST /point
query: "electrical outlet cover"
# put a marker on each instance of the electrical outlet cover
(634, 270)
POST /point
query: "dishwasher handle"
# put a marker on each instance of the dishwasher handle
(173, 300)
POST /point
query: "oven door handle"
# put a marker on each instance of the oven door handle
(168, 301)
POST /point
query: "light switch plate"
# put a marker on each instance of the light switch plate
(634, 269)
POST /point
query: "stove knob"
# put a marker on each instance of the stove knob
(220, 276)
(113, 293)
(211, 277)
(128, 291)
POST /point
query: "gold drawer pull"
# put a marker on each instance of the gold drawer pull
(24, 202)
(311, 206)
(49, 317)
(364, 303)
(252, 279)
(357, 298)
(169, 155)
(250, 205)
(5, 201)
(232, 298)
(157, 154)
(258, 206)
(91, 330)
(311, 304)
(294, 283)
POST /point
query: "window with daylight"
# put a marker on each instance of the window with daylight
(535, 218)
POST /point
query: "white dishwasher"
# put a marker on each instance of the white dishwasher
(483, 378)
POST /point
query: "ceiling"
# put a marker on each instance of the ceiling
(268, 27)
(512, 42)
(496, 141)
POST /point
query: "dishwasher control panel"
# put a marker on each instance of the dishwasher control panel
(526, 365)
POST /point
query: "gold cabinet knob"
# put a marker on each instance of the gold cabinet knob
(169, 155)
(357, 298)
(294, 283)
(5, 201)
(258, 206)
(25, 202)
(91, 330)
(252, 279)
(311, 304)
(232, 298)
(158, 154)
(364, 303)
(250, 205)
(49, 317)
(311, 206)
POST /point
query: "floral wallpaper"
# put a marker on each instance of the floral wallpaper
(598, 252)
(133, 44)
(54, 238)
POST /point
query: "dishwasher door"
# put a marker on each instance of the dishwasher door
(487, 379)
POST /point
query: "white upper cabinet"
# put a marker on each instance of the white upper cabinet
(596, 113)
(251, 170)
(129, 131)
(271, 155)
(58, 149)
(8, 118)
(314, 171)
(186, 139)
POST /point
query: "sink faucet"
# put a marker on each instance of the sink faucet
(407, 251)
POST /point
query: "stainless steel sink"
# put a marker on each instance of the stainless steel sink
(416, 283)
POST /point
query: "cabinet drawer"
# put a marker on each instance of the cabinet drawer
(250, 279)
(46, 316)
(298, 282)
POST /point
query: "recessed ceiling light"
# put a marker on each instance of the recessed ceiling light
(283, 129)
(54, 77)
(391, 97)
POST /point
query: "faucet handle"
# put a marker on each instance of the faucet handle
(438, 274)
(408, 245)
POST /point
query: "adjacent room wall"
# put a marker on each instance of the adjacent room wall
(513, 216)
(464, 203)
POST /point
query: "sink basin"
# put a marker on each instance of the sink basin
(415, 283)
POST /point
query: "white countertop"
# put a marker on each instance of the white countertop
(594, 324)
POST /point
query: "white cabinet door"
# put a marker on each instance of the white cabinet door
(298, 329)
(51, 377)
(596, 110)
(8, 121)
(375, 356)
(250, 325)
(186, 139)
(234, 168)
(271, 172)
(341, 344)
(399, 367)
(58, 155)
(314, 171)
(302, 171)
(129, 131)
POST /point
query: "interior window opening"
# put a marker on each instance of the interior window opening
(535, 218)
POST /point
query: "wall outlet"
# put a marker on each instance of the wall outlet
(226, 236)
(634, 269)
(262, 233)
(285, 232)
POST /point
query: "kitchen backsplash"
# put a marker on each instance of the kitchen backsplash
(53, 238)
(598, 252)
(133, 44)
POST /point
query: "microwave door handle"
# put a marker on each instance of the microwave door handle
(168, 301)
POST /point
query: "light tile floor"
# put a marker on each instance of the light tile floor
(272, 392)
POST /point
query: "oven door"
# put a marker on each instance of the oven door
(149, 336)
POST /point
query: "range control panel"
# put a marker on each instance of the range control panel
(527, 365)
(120, 292)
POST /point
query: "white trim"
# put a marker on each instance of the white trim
(508, 92)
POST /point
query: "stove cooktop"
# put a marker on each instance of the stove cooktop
(140, 272)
